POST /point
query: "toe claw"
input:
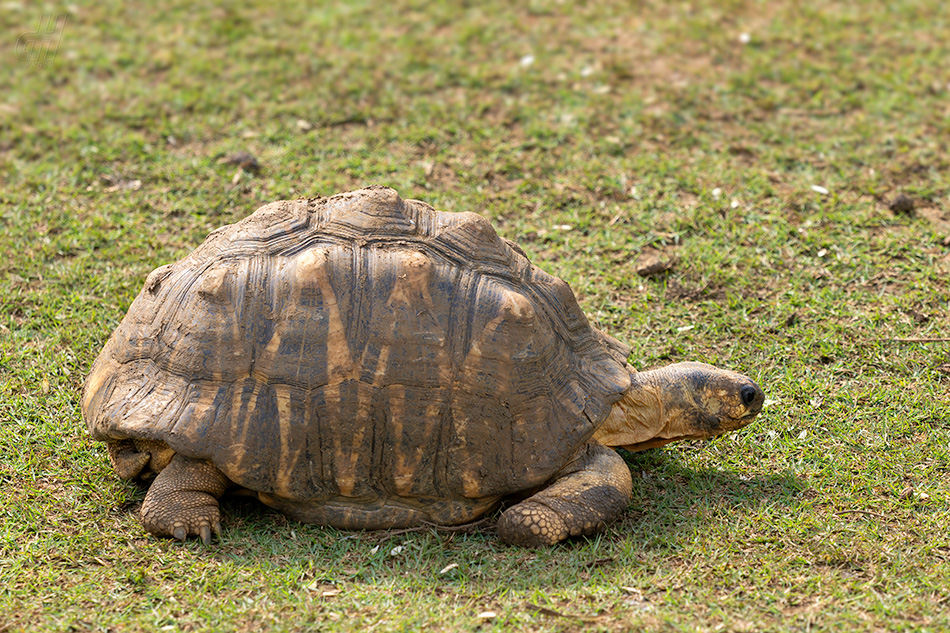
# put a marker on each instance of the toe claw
(205, 532)
(180, 533)
(217, 528)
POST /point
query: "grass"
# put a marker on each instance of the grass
(593, 135)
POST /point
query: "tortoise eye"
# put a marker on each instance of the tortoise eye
(747, 394)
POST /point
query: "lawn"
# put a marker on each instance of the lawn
(784, 166)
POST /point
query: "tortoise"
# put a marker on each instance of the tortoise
(367, 362)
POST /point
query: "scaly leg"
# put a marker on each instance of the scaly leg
(592, 491)
(183, 500)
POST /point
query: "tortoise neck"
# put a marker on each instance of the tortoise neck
(640, 419)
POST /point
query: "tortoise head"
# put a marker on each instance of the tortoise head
(680, 402)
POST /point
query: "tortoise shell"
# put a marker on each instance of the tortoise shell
(359, 346)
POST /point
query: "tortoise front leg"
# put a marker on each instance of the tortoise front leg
(592, 491)
(126, 459)
(183, 500)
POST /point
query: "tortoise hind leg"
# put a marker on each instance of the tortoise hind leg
(592, 491)
(183, 500)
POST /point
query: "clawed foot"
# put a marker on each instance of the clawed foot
(591, 491)
(532, 524)
(179, 521)
(183, 500)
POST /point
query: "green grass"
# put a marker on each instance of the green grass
(635, 128)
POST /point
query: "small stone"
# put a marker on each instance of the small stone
(120, 184)
(902, 204)
(245, 160)
(652, 264)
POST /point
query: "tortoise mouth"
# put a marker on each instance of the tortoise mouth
(746, 419)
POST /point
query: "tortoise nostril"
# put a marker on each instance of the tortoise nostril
(747, 394)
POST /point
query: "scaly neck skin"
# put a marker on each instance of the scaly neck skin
(649, 414)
